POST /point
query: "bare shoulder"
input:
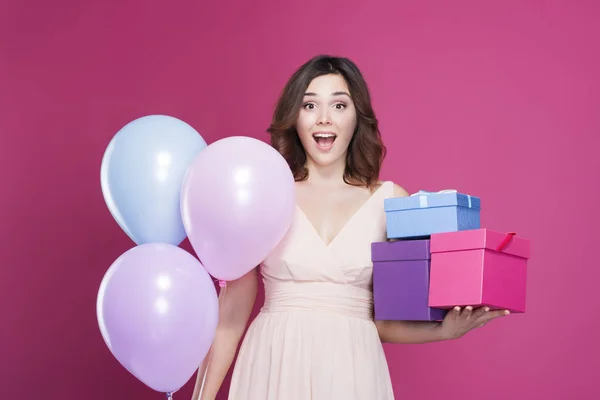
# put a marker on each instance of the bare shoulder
(399, 191)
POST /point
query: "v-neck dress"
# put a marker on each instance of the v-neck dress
(315, 338)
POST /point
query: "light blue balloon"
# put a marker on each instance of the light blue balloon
(141, 176)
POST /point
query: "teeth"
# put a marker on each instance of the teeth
(324, 135)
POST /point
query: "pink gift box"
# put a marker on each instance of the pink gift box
(479, 268)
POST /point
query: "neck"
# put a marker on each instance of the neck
(326, 175)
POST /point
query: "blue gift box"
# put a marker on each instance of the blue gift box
(426, 213)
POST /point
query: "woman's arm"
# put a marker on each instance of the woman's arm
(409, 332)
(456, 323)
(236, 301)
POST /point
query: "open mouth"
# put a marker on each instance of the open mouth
(324, 140)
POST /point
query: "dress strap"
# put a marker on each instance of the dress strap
(390, 189)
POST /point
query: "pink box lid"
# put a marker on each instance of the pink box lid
(474, 239)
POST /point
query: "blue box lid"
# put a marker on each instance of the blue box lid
(423, 199)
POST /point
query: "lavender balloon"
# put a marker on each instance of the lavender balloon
(157, 310)
(237, 202)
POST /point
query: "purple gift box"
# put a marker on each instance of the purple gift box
(401, 281)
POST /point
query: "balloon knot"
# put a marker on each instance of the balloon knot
(222, 284)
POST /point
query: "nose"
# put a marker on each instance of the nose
(323, 118)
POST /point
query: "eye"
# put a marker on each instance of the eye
(308, 106)
(340, 106)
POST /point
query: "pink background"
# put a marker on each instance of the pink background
(497, 99)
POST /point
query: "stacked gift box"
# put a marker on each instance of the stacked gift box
(439, 257)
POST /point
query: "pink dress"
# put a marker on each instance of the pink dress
(315, 337)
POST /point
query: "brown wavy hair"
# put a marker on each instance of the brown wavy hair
(365, 151)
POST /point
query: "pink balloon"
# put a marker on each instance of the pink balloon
(237, 202)
(157, 310)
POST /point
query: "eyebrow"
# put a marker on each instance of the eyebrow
(333, 94)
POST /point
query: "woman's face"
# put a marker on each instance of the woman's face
(327, 120)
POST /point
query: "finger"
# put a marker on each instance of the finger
(481, 311)
(500, 313)
(466, 313)
(494, 314)
(455, 313)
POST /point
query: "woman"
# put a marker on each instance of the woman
(315, 337)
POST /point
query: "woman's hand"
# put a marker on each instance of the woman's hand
(456, 322)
